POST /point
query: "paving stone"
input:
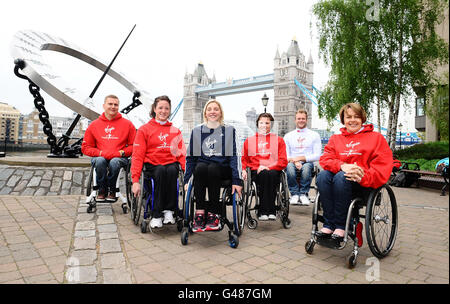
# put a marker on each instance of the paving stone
(45, 183)
(13, 180)
(34, 182)
(81, 274)
(78, 177)
(5, 174)
(5, 190)
(81, 243)
(84, 233)
(67, 175)
(48, 175)
(21, 185)
(107, 228)
(38, 173)
(40, 192)
(75, 190)
(28, 191)
(112, 260)
(116, 276)
(27, 174)
(110, 245)
(85, 217)
(82, 258)
(66, 185)
(105, 219)
(56, 184)
(86, 225)
(108, 235)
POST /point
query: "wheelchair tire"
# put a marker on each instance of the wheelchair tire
(144, 226)
(184, 236)
(128, 184)
(252, 223)
(352, 260)
(381, 218)
(309, 247)
(233, 240)
(283, 201)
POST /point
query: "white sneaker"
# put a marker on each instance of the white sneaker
(304, 200)
(168, 217)
(156, 222)
(294, 200)
(272, 217)
(263, 217)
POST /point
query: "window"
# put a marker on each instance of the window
(420, 106)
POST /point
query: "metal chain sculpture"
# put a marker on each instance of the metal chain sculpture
(26, 49)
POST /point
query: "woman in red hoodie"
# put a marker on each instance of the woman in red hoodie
(265, 155)
(354, 162)
(159, 147)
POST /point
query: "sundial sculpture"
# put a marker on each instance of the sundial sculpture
(27, 48)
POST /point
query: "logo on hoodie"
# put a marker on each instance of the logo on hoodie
(351, 149)
(108, 133)
(163, 138)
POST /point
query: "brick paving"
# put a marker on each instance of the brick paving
(44, 238)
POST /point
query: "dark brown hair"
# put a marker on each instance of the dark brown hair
(267, 115)
(155, 103)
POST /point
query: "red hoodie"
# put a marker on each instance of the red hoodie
(367, 148)
(109, 137)
(158, 145)
(266, 150)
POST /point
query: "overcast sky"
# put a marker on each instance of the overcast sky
(231, 38)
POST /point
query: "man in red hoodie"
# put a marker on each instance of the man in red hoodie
(109, 141)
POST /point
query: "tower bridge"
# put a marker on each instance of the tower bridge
(288, 97)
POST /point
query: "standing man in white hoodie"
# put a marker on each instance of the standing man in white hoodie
(303, 148)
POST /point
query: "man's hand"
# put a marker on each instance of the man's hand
(136, 189)
(298, 165)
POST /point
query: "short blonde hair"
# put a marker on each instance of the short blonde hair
(220, 107)
(356, 108)
(112, 96)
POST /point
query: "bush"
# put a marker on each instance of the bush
(425, 164)
(428, 151)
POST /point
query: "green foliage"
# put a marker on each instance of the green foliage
(429, 151)
(378, 60)
(437, 109)
(424, 164)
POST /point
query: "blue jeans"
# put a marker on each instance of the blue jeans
(336, 193)
(305, 178)
(107, 171)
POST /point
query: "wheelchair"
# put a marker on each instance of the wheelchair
(92, 188)
(381, 219)
(143, 204)
(251, 202)
(226, 200)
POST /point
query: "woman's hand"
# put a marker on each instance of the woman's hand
(186, 186)
(353, 172)
(236, 188)
(136, 189)
(244, 174)
(261, 168)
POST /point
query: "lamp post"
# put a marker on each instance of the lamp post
(265, 101)
(400, 127)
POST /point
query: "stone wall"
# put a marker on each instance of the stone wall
(42, 181)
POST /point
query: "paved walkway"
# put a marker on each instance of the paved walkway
(51, 239)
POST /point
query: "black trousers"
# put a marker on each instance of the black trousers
(165, 183)
(209, 175)
(267, 183)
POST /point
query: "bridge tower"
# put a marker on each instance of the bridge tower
(194, 102)
(288, 97)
